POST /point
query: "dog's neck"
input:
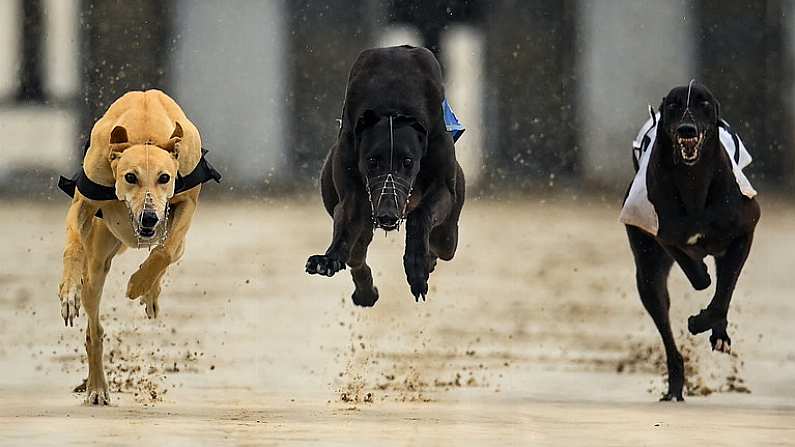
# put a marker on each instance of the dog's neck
(692, 182)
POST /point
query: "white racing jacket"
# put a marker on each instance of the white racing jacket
(638, 209)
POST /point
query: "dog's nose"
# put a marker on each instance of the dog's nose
(387, 221)
(687, 131)
(149, 219)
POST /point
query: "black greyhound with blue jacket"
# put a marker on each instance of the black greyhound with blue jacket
(394, 160)
(704, 206)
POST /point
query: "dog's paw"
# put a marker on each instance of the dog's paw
(365, 298)
(704, 321)
(98, 396)
(139, 284)
(671, 397)
(152, 306)
(720, 341)
(699, 276)
(81, 388)
(151, 301)
(702, 283)
(69, 294)
(417, 274)
(324, 265)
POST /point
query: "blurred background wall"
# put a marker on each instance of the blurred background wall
(552, 91)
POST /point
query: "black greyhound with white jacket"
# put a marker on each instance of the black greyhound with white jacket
(702, 205)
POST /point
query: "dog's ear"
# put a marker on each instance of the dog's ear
(118, 139)
(368, 119)
(662, 105)
(661, 112)
(118, 135)
(173, 143)
(411, 121)
(118, 143)
(177, 130)
(414, 123)
(419, 127)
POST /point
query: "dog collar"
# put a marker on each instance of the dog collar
(202, 173)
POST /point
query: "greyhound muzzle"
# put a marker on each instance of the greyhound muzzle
(389, 196)
(147, 223)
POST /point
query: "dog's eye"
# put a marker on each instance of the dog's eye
(163, 179)
(130, 178)
(705, 104)
(672, 106)
(407, 162)
(372, 163)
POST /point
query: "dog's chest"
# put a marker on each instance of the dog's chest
(116, 217)
(712, 244)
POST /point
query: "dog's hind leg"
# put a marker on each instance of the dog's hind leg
(365, 294)
(79, 221)
(444, 241)
(444, 238)
(728, 267)
(327, 191)
(653, 265)
(442, 244)
(103, 246)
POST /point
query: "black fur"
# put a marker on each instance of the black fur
(692, 196)
(392, 122)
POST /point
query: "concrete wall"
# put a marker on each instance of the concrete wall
(228, 73)
(630, 54)
(40, 137)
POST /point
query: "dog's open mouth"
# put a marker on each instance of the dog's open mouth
(690, 147)
(147, 229)
(389, 226)
(146, 233)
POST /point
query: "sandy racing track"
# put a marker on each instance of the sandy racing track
(533, 335)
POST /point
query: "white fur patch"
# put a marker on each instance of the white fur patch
(694, 239)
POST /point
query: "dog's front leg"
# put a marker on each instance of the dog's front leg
(417, 260)
(145, 282)
(78, 227)
(694, 268)
(728, 267)
(349, 221)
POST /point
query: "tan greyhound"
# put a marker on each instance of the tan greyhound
(141, 149)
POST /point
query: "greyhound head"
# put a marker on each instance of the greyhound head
(689, 119)
(145, 177)
(390, 149)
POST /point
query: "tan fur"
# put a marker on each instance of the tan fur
(148, 135)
